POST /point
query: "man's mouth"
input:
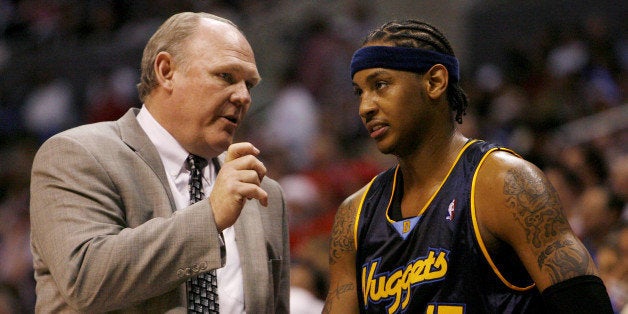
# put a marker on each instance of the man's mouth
(377, 129)
(232, 119)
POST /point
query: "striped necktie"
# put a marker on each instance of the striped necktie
(202, 289)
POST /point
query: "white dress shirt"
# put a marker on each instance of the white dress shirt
(173, 156)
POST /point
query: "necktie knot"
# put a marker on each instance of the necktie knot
(196, 162)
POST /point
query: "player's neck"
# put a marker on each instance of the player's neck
(431, 163)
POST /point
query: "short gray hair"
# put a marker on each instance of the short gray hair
(170, 37)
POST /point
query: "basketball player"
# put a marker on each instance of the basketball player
(459, 225)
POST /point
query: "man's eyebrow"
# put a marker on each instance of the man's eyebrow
(375, 74)
(254, 79)
(372, 76)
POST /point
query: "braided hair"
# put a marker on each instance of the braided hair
(417, 34)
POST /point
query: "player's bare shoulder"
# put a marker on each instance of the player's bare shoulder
(512, 189)
(517, 204)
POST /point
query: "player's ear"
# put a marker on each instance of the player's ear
(164, 70)
(437, 79)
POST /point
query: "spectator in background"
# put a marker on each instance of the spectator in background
(588, 162)
(110, 95)
(599, 212)
(15, 257)
(292, 122)
(569, 188)
(304, 207)
(9, 299)
(307, 286)
(618, 181)
(323, 56)
(49, 108)
(612, 258)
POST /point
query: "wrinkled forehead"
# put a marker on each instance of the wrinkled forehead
(225, 47)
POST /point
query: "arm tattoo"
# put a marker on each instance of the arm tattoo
(335, 295)
(564, 260)
(535, 206)
(342, 233)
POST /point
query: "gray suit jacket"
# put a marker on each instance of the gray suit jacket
(106, 236)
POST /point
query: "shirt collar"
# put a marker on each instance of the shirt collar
(172, 154)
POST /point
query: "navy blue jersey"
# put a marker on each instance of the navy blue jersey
(435, 263)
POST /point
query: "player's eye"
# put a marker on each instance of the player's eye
(380, 84)
(357, 91)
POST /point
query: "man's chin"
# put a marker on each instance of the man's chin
(221, 146)
(212, 149)
(384, 149)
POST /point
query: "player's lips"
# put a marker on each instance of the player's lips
(376, 128)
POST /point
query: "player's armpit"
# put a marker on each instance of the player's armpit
(525, 212)
(342, 296)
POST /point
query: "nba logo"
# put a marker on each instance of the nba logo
(451, 210)
(406, 226)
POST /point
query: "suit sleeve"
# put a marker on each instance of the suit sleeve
(101, 251)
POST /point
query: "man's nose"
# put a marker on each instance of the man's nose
(241, 94)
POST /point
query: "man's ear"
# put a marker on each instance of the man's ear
(164, 70)
(437, 80)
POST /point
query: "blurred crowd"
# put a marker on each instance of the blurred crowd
(560, 103)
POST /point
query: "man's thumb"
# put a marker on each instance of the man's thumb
(238, 150)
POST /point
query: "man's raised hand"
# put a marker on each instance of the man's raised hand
(239, 179)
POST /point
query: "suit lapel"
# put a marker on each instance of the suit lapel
(249, 233)
(249, 236)
(133, 135)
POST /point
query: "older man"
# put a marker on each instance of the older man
(120, 220)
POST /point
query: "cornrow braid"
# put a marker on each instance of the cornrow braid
(417, 34)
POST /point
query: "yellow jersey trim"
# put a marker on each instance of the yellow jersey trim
(427, 204)
(476, 228)
(357, 214)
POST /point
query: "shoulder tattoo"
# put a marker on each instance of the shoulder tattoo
(535, 206)
(342, 233)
